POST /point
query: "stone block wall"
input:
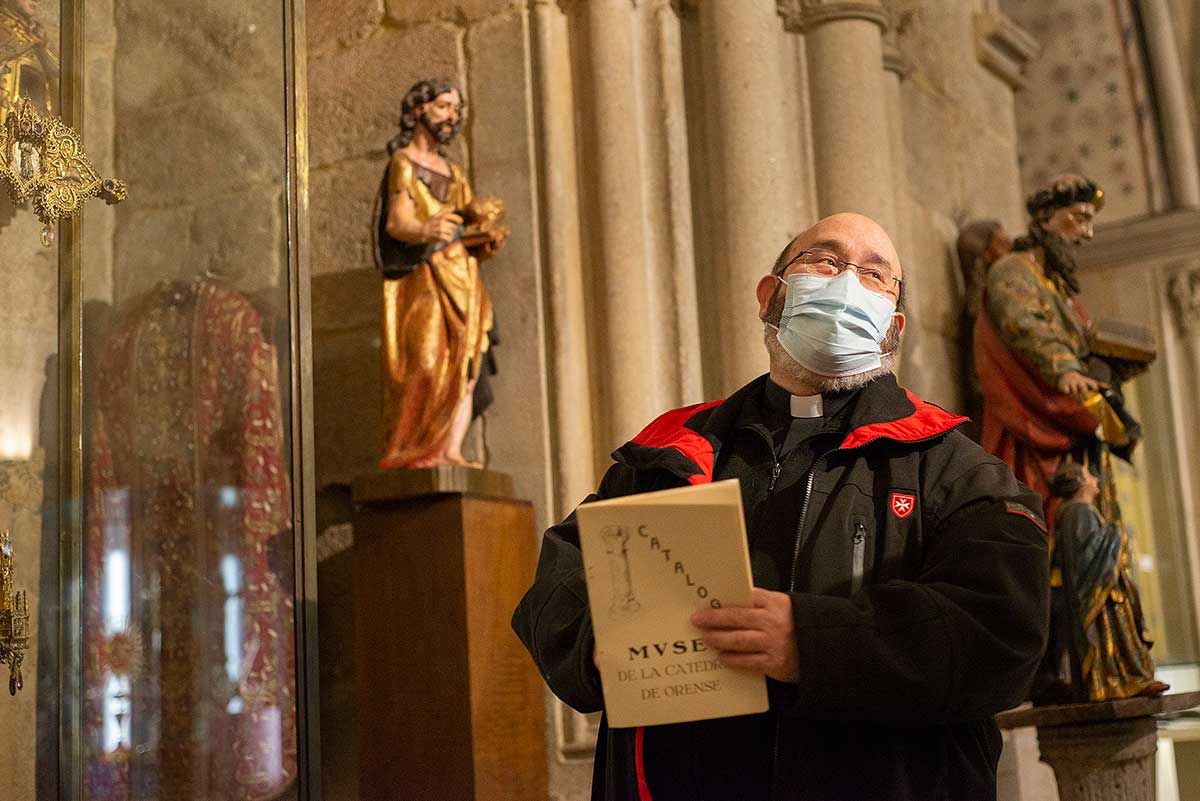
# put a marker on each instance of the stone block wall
(960, 143)
(200, 138)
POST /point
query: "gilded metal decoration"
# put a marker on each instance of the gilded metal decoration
(29, 67)
(14, 618)
(41, 158)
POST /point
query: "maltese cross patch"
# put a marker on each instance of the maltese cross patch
(903, 504)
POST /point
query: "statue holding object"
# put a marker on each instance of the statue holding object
(431, 233)
(1048, 376)
(1051, 383)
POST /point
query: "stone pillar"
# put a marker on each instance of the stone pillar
(896, 69)
(844, 41)
(1182, 356)
(1170, 90)
(755, 186)
(571, 402)
(630, 384)
(1109, 761)
(671, 218)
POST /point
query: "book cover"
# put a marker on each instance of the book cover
(651, 560)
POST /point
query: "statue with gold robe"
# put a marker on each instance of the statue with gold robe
(431, 233)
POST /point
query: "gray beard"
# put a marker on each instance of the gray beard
(1060, 258)
(782, 362)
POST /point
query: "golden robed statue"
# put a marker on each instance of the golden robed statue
(431, 233)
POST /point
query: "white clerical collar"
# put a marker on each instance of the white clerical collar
(808, 406)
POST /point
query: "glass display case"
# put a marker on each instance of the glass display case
(152, 388)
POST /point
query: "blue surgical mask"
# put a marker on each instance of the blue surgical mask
(833, 326)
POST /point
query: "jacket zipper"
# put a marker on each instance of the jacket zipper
(808, 488)
(776, 466)
(857, 557)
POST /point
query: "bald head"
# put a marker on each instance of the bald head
(853, 237)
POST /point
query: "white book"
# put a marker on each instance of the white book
(652, 560)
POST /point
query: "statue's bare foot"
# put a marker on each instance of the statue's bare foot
(392, 463)
(461, 461)
(1154, 689)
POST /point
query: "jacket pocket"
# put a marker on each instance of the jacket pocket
(858, 555)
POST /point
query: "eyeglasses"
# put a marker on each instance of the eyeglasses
(822, 262)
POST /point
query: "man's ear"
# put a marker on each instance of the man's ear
(767, 286)
(900, 320)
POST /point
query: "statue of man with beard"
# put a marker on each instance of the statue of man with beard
(430, 234)
(1032, 344)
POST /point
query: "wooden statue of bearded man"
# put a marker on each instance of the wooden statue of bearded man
(1048, 384)
(1054, 411)
(431, 232)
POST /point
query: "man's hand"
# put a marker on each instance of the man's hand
(761, 638)
(1078, 385)
(441, 227)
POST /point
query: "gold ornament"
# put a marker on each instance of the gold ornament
(14, 618)
(41, 158)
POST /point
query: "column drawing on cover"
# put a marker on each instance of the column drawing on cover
(624, 602)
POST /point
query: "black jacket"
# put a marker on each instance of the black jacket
(909, 639)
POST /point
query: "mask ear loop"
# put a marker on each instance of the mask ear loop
(774, 294)
(899, 340)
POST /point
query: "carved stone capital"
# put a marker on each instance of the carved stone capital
(800, 16)
(1004, 47)
(1183, 287)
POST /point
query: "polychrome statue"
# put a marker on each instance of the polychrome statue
(1051, 382)
(431, 233)
(1047, 385)
(1099, 647)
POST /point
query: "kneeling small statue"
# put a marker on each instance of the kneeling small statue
(1099, 647)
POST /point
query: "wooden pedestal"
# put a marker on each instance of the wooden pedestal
(1100, 751)
(449, 704)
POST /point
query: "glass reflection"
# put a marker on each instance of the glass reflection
(188, 643)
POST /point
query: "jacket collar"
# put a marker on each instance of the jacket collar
(686, 441)
(886, 410)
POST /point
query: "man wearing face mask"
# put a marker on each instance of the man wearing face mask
(900, 571)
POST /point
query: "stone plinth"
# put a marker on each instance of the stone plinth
(1100, 751)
